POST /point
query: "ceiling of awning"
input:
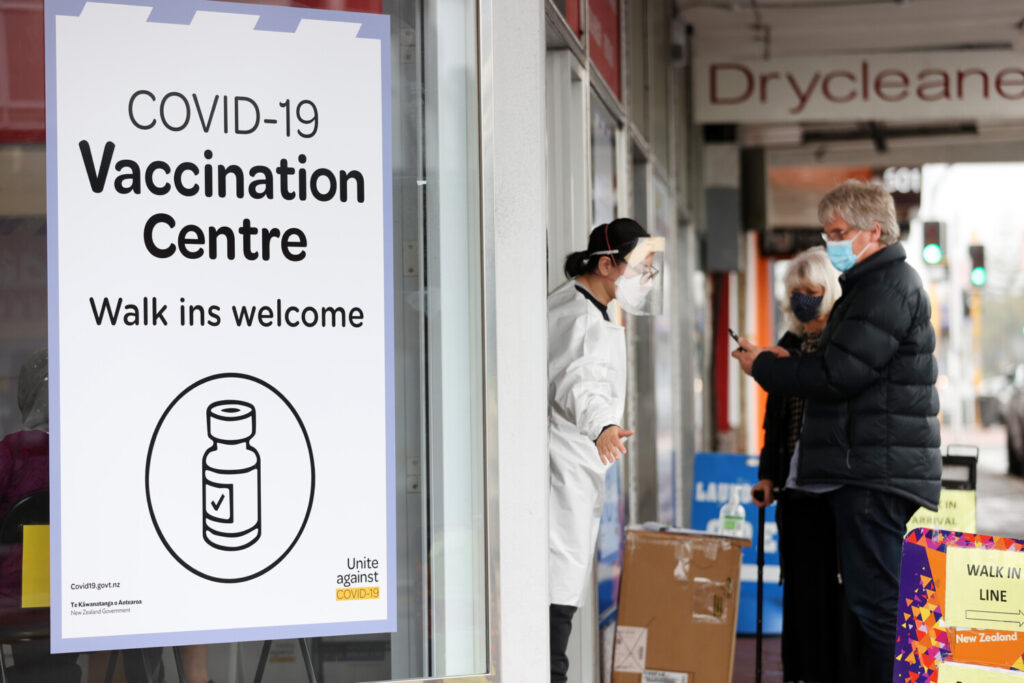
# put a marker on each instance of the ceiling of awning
(767, 29)
(752, 29)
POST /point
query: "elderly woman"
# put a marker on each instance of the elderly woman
(806, 529)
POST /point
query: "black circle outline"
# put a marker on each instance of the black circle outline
(312, 476)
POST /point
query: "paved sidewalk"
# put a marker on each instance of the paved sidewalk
(1000, 496)
(771, 660)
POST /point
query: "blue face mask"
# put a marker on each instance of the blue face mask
(841, 254)
(804, 307)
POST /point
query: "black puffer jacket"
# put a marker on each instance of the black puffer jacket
(774, 462)
(871, 405)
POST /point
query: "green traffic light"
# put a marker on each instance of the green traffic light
(978, 276)
(932, 254)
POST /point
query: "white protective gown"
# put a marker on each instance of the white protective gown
(586, 392)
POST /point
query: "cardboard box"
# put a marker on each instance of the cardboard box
(678, 604)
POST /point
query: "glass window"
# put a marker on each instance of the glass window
(567, 228)
(636, 64)
(680, 128)
(22, 106)
(657, 42)
(643, 465)
(570, 9)
(603, 167)
(442, 628)
(666, 352)
(604, 136)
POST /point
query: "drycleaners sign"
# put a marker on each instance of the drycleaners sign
(221, 337)
(906, 86)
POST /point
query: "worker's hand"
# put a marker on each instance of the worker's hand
(746, 354)
(778, 351)
(609, 443)
(765, 486)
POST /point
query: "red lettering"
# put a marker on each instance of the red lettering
(826, 88)
(736, 99)
(960, 75)
(891, 78)
(802, 96)
(1002, 81)
(942, 84)
(764, 84)
(734, 83)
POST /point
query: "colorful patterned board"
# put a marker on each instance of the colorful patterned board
(924, 638)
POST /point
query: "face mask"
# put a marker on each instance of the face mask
(632, 293)
(804, 307)
(841, 254)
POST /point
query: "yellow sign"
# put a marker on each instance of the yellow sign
(957, 512)
(35, 566)
(364, 593)
(984, 589)
(951, 672)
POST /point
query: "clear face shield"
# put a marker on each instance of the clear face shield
(640, 288)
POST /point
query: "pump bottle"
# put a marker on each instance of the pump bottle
(732, 517)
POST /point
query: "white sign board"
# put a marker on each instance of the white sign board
(916, 86)
(221, 335)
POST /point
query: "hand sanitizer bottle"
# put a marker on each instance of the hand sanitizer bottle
(231, 477)
(732, 517)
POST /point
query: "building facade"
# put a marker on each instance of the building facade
(515, 128)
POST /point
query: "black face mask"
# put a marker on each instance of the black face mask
(804, 307)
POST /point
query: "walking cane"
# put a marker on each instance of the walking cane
(759, 495)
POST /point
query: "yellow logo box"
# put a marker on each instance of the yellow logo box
(363, 593)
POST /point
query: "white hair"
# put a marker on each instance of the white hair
(813, 269)
(861, 205)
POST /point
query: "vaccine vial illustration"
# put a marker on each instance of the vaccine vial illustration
(231, 477)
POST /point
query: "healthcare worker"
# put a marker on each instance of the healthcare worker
(586, 399)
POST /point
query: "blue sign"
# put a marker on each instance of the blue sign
(714, 476)
(611, 543)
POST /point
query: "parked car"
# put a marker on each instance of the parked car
(992, 396)
(1013, 418)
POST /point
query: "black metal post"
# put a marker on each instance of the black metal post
(760, 587)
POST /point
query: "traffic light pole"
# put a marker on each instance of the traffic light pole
(957, 355)
(976, 360)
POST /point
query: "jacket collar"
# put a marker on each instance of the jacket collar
(789, 341)
(880, 259)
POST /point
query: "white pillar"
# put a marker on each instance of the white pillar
(518, 48)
